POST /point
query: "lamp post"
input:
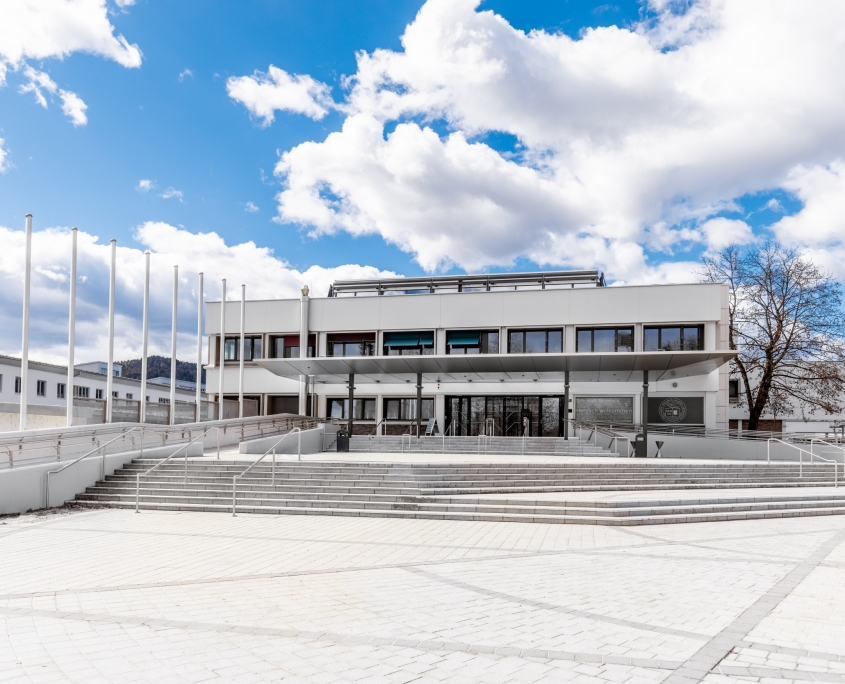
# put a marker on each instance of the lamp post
(25, 342)
(71, 333)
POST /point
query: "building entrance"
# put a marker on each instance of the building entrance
(532, 416)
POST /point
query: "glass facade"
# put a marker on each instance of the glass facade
(287, 347)
(354, 344)
(472, 342)
(252, 348)
(511, 416)
(535, 341)
(604, 340)
(408, 343)
(406, 409)
(673, 338)
(363, 409)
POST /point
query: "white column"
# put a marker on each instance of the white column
(110, 368)
(25, 343)
(145, 333)
(173, 346)
(440, 411)
(241, 355)
(220, 353)
(200, 304)
(71, 333)
(303, 346)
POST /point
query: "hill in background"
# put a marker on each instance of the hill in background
(159, 367)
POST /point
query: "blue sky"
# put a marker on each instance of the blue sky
(625, 136)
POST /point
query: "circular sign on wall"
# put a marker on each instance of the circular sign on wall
(672, 410)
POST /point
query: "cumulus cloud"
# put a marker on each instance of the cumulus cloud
(265, 93)
(173, 193)
(623, 140)
(250, 208)
(721, 232)
(145, 185)
(265, 275)
(54, 29)
(187, 73)
(4, 160)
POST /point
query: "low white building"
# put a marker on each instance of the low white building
(499, 354)
(47, 394)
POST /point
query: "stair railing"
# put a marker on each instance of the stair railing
(801, 458)
(235, 479)
(163, 461)
(83, 457)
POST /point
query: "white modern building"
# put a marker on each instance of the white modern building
(506, 354)
(47, 393)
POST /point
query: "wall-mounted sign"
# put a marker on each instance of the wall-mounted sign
(617, 410)
(676, 410)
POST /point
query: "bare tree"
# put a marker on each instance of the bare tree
(786, 322)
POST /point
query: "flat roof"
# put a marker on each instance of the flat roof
(592, 367)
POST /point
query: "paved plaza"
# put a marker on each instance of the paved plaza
(114, 596)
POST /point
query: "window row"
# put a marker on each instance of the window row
(532, 341)
(394, 409)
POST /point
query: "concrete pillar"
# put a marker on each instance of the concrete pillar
(638, 337)
(350, 424)
(569, 339)
(644, 411)
(419, 403)
(440, 412)
(379, 414)
(566, 405)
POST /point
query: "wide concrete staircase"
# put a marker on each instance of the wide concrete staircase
(478, 491)
(533, 446)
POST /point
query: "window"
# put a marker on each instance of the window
(287, 347)
(41, 388)
(733, 391)
(60, 390)
(408, 343)
(406, 409)
(114, 395)
(17, 385)
(674, 338)
(364, 409)
(163, 400)
(129, 395)
(98, 394)
(252, 348)
(535, 341)
(604, 340)
(81, 392)
(472, 342)
(353, 344)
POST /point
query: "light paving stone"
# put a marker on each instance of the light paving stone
(110, 596)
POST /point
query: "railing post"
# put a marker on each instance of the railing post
(273, 478)
(218, 443)
(137, 491)
(768, 451)
(299, 445)
(234, 494)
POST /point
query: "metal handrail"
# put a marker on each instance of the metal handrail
(74, 462)
(261, 458)
(801, 458)
(162, 462)
(822, 441)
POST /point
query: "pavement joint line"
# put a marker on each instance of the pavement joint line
(788, 650)
(758, 671)
(715, 650)
(644, 626)
(340, 638)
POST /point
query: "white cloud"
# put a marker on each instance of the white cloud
(4, 160)
(124, 3)
(262, 94)
(187, 73)
(250, 208)
(44, 29)
(625, 139)
(721, 232)
(145, 185)
(265, 276)
(73, 107)
(37, 82)
(173, 193)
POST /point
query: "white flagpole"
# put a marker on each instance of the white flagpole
(200, 304)
(221, 351)
(71, 334)
(110, 378)
(25, 343)
(173, 348)
(145, 335)
(242, 354)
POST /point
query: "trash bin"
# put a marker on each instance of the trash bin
(343, 440)
(640, 446)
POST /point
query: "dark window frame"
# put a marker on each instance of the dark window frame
(61, 390)
(249, 348)
(366, 343)
(403, 406)
(17, 385)
(699, 327)
(40, 388)
(362, 403)
(418, 350)
(524, 331)
(592, 332)
(483, 345)
(287, 349)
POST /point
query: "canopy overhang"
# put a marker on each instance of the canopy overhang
(447, 368)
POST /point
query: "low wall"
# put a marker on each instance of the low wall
(24, 489)
(312, 442)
